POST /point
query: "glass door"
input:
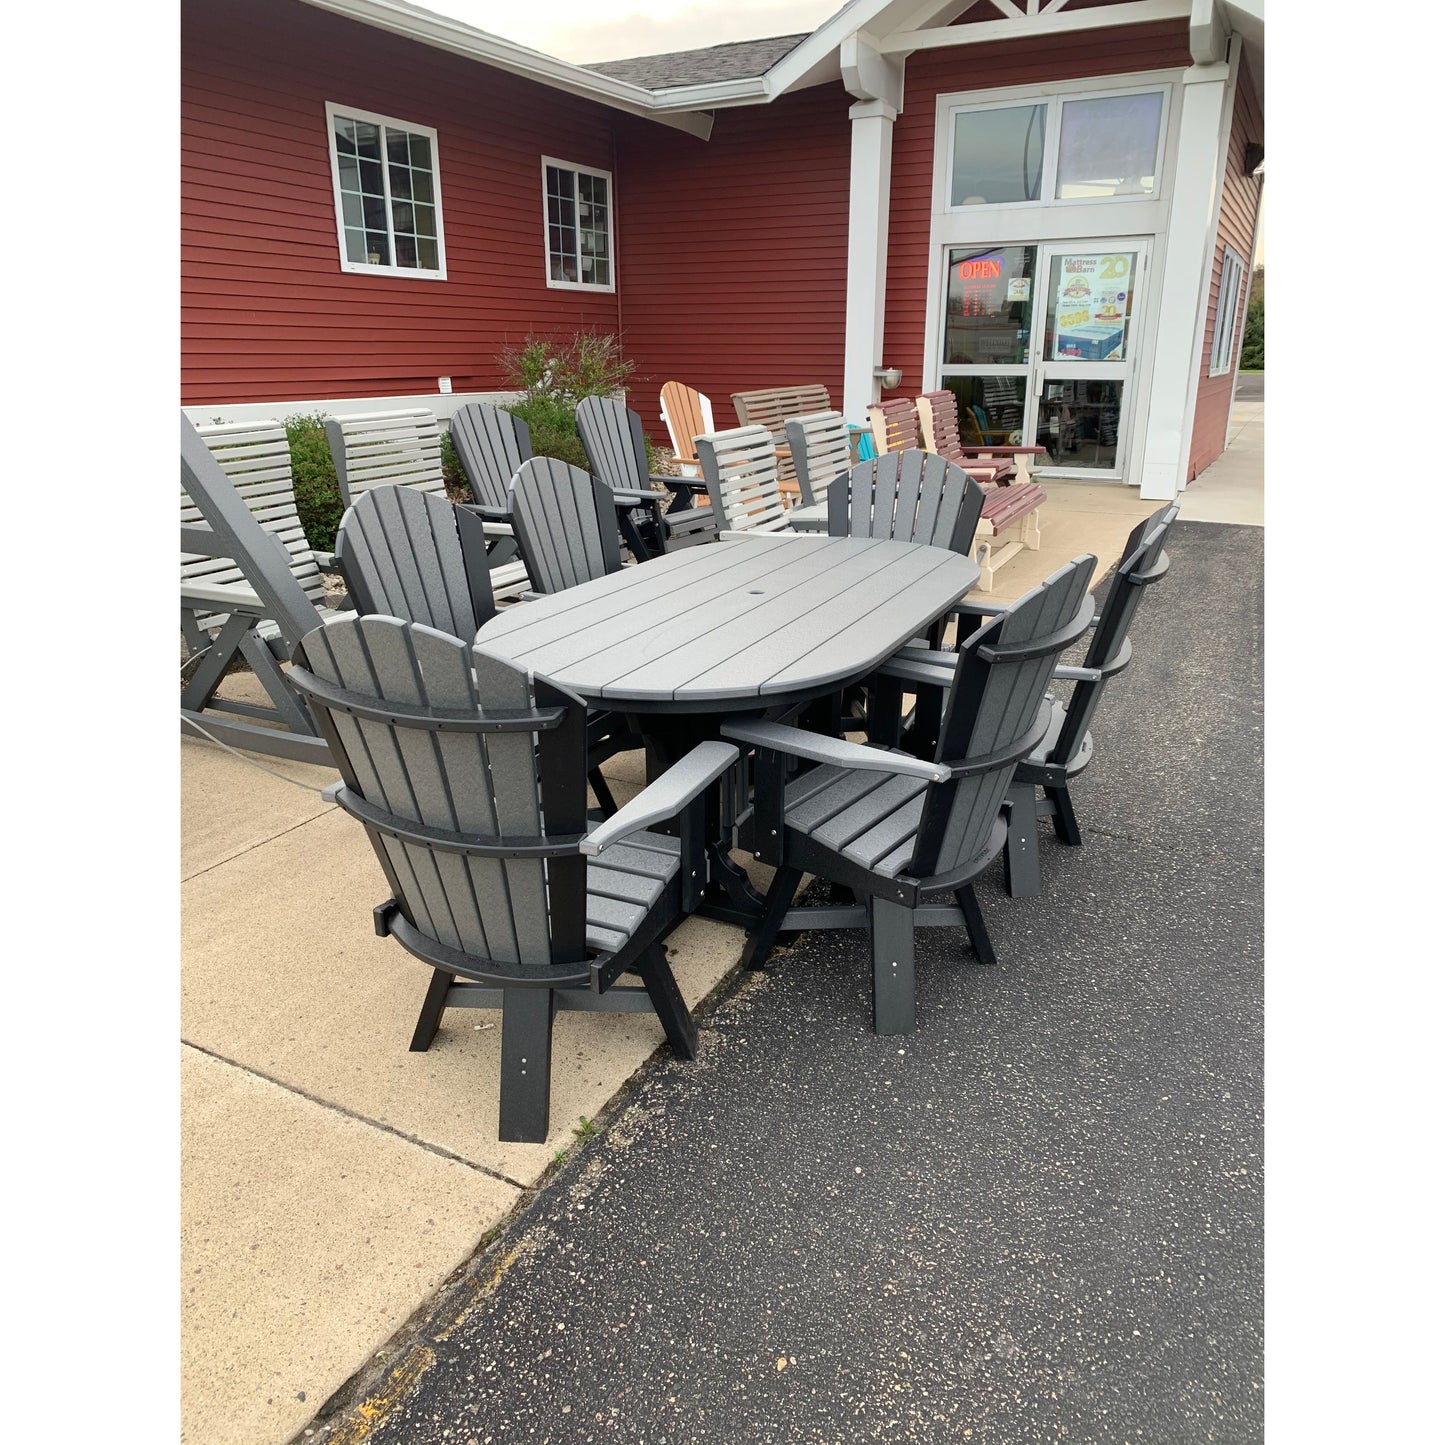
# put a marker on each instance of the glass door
(1040, 345)
(1087, 338)
(988, 324)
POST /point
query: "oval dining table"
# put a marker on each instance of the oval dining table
(754, 626)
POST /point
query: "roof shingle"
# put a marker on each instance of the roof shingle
(736, 60)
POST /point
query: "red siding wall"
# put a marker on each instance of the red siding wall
(1237, 210)
(267, 313)
(1029, 61)
(734, 273)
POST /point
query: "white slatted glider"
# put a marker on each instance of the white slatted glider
(741, 469)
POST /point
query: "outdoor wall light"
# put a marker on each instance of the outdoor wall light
(888, 376)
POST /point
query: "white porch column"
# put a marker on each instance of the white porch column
(1187, 263)
(868, 189)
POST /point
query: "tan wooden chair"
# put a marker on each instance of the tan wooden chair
(686, 414)
(771, 408)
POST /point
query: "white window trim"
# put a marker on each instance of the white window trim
(611, 284)
(1053, 96)
(361, 268)
(1223, 364)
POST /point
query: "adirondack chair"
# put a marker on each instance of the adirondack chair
(1008, 508)
(563, 519)
(771, 407)
(416, 556)
(821, 447)
(938, 417)
(469, 780)
(1069, 746)
(741, 468)
(404, 449)
(686, 414)
(893, 827)
(616, 452)
(249, 586)
(491, 444)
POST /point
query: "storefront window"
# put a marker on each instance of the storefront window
(998, 155)
(989, 306)
(1109, 146)
(990, 408)
(1079, 423)
(1091, 303)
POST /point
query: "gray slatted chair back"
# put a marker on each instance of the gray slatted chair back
(386, 449)
(256, 457)
(740, 467)
(490, 444)
(566, 524)
(993, 712)
(909, 496)
(416, 556)
(1143, 561)
(821, 448)
(612, 439)
(452, 764)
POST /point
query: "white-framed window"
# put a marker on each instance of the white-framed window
(388, 190)
(1226, 313)
(577, 216)
(1073, 147)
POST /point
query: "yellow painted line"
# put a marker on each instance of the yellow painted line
(375, 1408)
(404, 1379)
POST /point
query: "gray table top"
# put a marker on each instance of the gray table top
(732, 626)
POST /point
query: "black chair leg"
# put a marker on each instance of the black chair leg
(1021, 875)
(894, 1009)
(667, 999)
(1065, 824)
(973, 921)
(601, 792)
(526, 1065)
(433, 1006)
(775, 906)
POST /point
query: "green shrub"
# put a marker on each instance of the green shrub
(1251, 352)
(587, 363)
(459, 489)
(318, 497)
(553, 425)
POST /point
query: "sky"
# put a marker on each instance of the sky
(583, 31)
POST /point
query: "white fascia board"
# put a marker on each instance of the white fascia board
(1058, 22)
(443, 33)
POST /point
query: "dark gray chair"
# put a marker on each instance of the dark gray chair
(616, 452)
(908, 496)
(414, 555)
(490, 444)
(564, 523)
(892, 827)
(1068, 748)
(470, 783)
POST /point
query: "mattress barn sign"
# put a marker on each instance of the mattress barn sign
(1092, 306)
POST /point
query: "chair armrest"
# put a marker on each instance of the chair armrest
(665, 797)
(1078, 674)
(921, 668)
(327, 562)
(224, 596)
(629, 498)
(497, 529)
(799, 743)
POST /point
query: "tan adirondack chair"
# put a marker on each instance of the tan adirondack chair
(686, 414)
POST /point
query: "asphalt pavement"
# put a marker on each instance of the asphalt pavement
(1039, 1218)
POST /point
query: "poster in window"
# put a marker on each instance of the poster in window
(1091, 307)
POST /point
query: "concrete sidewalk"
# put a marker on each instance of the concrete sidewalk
(1038, 1218)
(1231, 489)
